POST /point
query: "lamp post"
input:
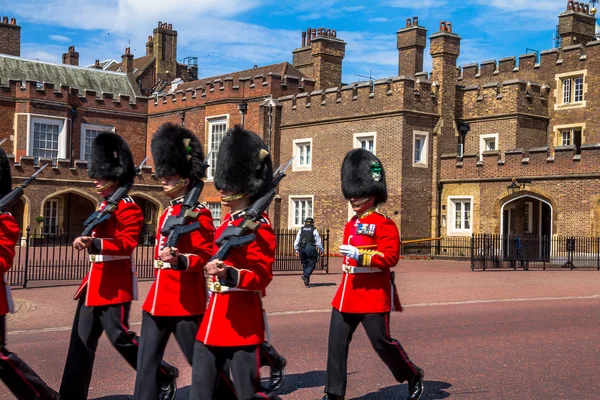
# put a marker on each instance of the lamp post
(463, 129)
(243, 107)
(516, 185)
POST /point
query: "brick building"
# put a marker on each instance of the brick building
(495, 147)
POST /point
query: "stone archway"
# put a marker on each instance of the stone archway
(64, 212)
(151, 208)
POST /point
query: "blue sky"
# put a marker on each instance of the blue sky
(230, 35)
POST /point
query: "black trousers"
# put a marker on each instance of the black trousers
(377, 327)
(308, 258)
(20, 379)
(211, 361)
(154, 337)
(88, 325)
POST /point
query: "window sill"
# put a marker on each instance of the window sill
(420, 165)
(302, 168)
(569, 106)
(459, 233)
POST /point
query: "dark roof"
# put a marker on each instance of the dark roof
(282, 69)
(139, 65)
(101, 81)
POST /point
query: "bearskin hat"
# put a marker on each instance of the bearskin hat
(363, 176)
(5, 178)
(244, 164)
(111, 159)
(177, 151)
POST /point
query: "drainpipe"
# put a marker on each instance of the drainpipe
(439, 214)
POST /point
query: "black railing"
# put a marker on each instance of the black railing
(42, 257)
(453, 247)
(545, 252)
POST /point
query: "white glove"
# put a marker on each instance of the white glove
(349, 251)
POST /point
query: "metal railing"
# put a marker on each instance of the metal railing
(43, 257)
(529, 251)
(453, 247)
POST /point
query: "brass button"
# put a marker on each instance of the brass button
(93, 258)
(160, 264)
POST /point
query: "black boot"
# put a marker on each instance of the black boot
(168, 385)
(415, 386)
(276, 379)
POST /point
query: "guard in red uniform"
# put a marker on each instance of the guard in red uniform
(107, 290)
(367, 293)
(177, 299)
(233, 329)
(21, 380)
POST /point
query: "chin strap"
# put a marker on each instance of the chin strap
(106, 186)
(179, 185)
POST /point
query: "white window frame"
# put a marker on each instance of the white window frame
(424, 157)
(483, 140)
(44, 119)
(53, 205)
(210, 121)
(84, 128)
(292, 210)
(451, 230)
(358, 137)
(298, 143)
(211, 207)
(569, 93)
(528, 217)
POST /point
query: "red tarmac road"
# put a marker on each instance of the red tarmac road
(477, 335)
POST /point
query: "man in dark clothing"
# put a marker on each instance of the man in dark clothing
(307, 243)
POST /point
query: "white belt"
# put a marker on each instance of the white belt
(97, 258)
(216, 287)
(160, 264)
(360, 270)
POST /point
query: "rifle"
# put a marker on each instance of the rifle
(177, 226)
(237, 236)
(99, 217)
(8, 200)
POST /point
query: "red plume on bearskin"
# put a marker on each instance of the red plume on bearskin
(363, 176)
(244, 164)
(111, 159)
(177, 151)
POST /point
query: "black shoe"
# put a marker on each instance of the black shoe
(332, 397)
(276, 379)
(306, 280)
(415, 386)
(168, 386)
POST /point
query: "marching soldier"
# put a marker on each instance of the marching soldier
(21, 380)
(367, 293)
(177, 300)
(107, 290)
(234, 329)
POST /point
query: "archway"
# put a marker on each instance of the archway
(151, 209)
(19, 211)
(65, 212)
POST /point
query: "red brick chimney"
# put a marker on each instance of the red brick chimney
(165, 51)
(411, 42)
(150, 46)
(71, 57)
(10, 37)
(127, 61)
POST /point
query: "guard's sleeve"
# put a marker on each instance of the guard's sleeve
(127, 231)
(9, 234)
(387, 253)
(201, 248)
(258, 269)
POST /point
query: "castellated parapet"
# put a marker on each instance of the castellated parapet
(397, 94)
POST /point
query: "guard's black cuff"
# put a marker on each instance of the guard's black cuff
(364, 260)
(96, 247)
(231, 277)
(182, 263)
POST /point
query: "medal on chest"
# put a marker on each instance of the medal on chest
(365, 229)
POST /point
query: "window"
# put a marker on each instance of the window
(215, 210)
(570, 89)
(571, 136)
(528, 217)
(88, 134)
(365, 141)
(216, 131)
(51, 217)
(302, 154)
(300, 209)
(487, 142)
(420, 144)
(46, 138)
(460, 216)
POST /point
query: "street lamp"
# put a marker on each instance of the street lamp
(463, 129)
(243, 107)
(516, 185)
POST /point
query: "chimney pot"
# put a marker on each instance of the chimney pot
(159, 24)
(5, 20)
(442, 26)
(308, 38)
(415, 21)
(314, 33)
(97, 63)
(448, 26)
(303, 38)
(128, 50)
(13, 21)
(408, 22)
(328, 33)
(170, 27)
(334, 33)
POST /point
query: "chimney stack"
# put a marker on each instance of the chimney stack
(164, 49)
(128, 61)
(411, 42)
(10, 37)
(150, 46)
(576, 25)
(71, 57)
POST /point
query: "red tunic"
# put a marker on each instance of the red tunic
(115, 281)
(182, 293)
(235, 318)
(9, 234)
(376, 236)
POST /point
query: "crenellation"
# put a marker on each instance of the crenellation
(487, 68)
(572, 54)
(470, 71)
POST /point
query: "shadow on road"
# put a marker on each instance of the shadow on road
(295, 382)
(433, 390)
(322, 284)
(183, 393)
